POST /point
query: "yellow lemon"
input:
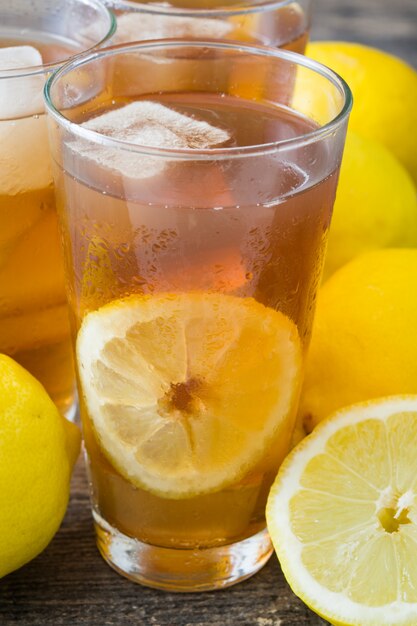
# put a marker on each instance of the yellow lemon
(187, 392)
(342, 515)
(376, 204)
(38, 449)
(384, 91)
(364, 341)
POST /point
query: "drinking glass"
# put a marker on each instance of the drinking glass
(35, 38)
(194, 223)
(278, 23)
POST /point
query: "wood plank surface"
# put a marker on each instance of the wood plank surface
(387, 24)
(69, 584)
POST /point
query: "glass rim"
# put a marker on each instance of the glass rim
(191, 153)
(154, 9)
(35, 70)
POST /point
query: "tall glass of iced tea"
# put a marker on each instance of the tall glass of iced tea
(277, 23)
(195, 223)
(35, 37)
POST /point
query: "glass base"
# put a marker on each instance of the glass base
(69, 408)
(181, 569)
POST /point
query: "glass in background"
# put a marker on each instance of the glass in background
(35, 38)
(277, 23)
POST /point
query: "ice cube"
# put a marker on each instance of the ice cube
(24, 156)
(25, 178)
(145, 26)
(150, 124)
(20, 96)
(137, 122)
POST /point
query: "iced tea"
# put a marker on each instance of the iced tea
(195, 227)
(211, 230)
(34, 325)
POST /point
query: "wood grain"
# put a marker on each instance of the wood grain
(387, 24)
(69, 584)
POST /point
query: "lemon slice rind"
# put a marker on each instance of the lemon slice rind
(176, 337)
(336, 607)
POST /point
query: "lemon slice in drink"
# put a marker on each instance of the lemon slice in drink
(342, 515)
(186, 392)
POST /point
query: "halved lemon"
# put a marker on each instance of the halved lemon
(342, 515)
(186, 391)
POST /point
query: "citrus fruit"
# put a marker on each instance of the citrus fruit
(342, 515)
(384, 92)
(38, 449)
(186, 391)
(364, 340)
(376, 204)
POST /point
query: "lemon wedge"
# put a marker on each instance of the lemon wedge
(342, 515)
(185, 392)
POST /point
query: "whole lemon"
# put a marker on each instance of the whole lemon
(38, 449)
(376, 204)
(364, 341)
(384, 92)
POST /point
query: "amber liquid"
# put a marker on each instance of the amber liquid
(34, 325)
(250, 227)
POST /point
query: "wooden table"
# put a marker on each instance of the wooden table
(69, 584)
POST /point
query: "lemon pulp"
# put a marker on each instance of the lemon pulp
(186, 392)
(343, 515)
